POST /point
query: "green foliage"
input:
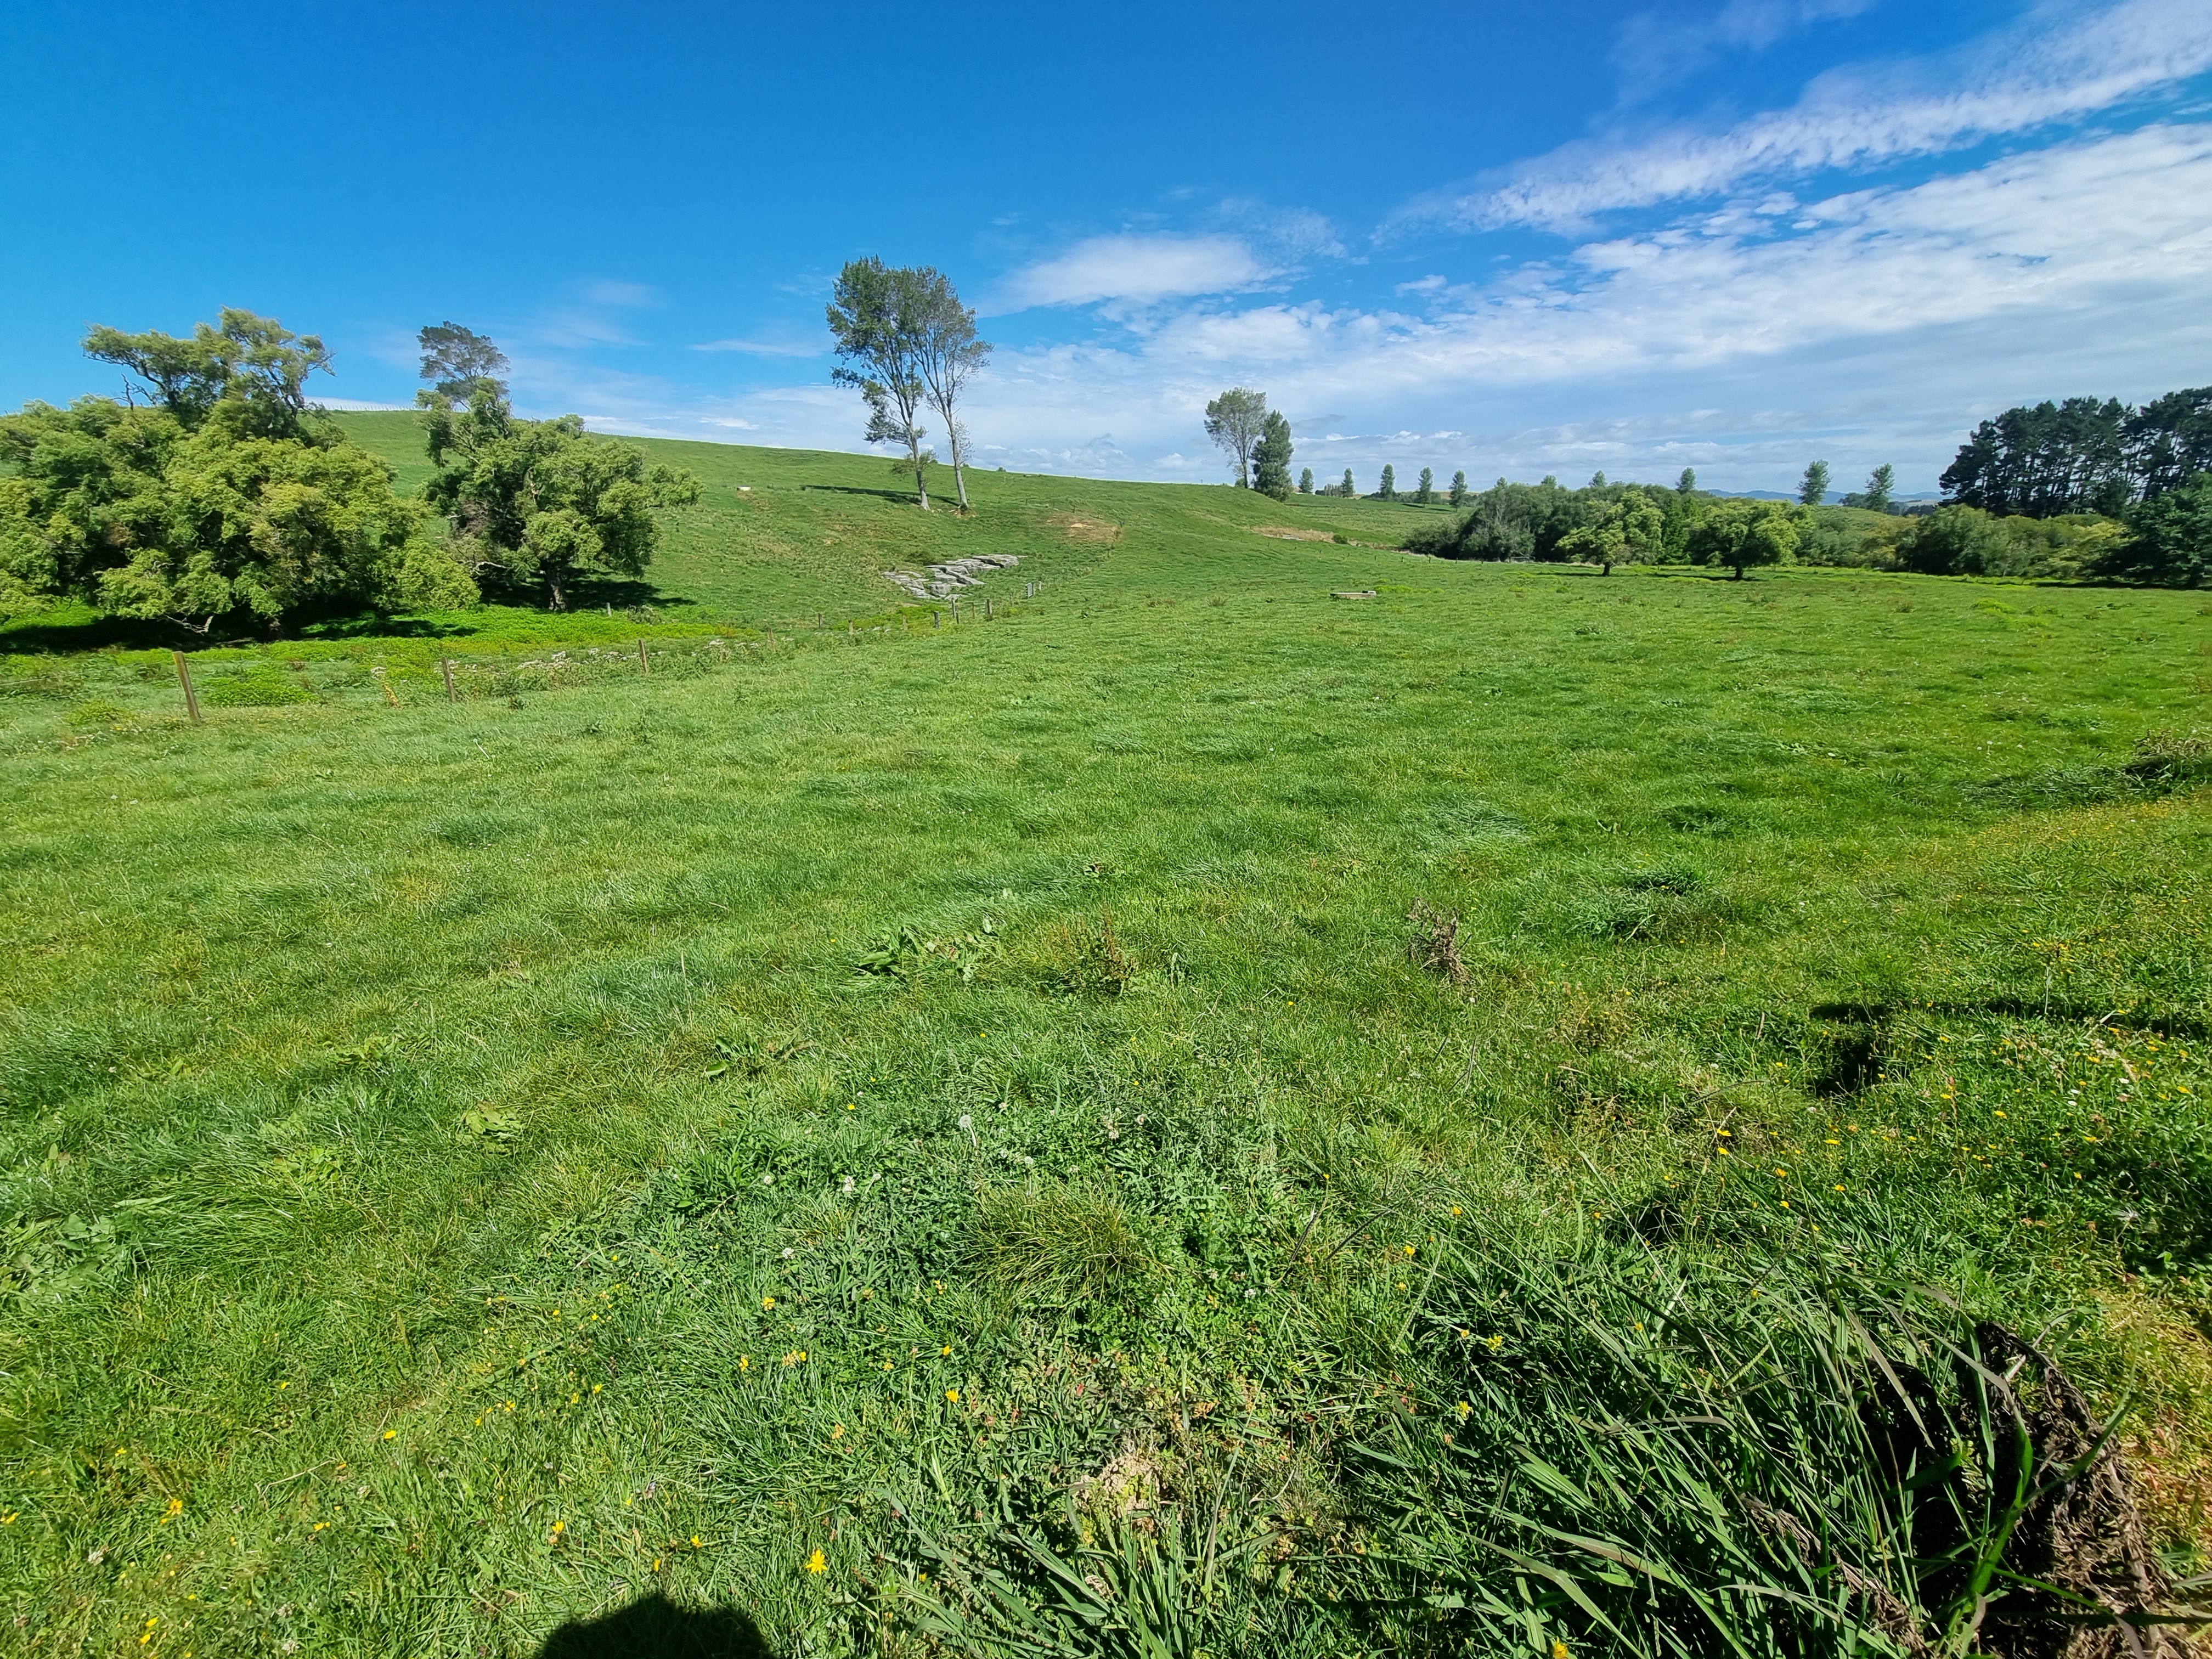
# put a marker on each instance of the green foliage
(1881, 483)
(458, 361)
(139, 514)
(2045, 460)
(1744, 534)
(1813, 489)
(948, 354)
(1305, 481)
(882, 319)
(2170, 539)
(1388, 491)
(253, 367)
(1626, 527)
(544, 503)
(1236, 421)
(1271, 458)
(1345, 488)
(1458, 488)
(1426, 491)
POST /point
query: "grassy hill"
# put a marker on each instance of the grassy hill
(1251, 1118)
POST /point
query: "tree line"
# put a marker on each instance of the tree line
(215, 491)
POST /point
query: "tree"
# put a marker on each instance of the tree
(875, 315)
(1458, 488)
(1630, 527)
(1813, 489)
(1346, 488)
(2171, 539)
(1688, 483)
(1874, 498)
(1305, 482)
(1597, 479)
(1389, 489)
(948, 354)
(1426, 491)
(544, 502)
(222, 500)
(1271, 458)
(1741, 534)
(2047, 460)
(2170, 440)
(1234, 421)
(1954, 541)
(455, 360)
(254, 364)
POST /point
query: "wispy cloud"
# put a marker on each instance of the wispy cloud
(1658, 49)
(1133, 269)
(2064, 61)
(766, 347)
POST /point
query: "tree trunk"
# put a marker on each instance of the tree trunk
(1739, 573)
(960, 479)
(553, 585)
(920, 484)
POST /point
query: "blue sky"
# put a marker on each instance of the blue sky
(1734, 234)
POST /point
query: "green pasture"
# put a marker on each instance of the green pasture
(786, 1148)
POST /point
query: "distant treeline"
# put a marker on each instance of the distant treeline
(2045, 461)
(2166, 540)
(2082, 490)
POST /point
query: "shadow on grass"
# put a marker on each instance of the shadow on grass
(657, 1628)
(901, 496)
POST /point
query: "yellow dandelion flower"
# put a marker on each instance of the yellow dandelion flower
(392, 1434)
(743, 1363)
(695, 1544)
(816, 1565)
(766, 1301)
(953, 1394)
(560, 1527)
(1409, 1249)
(1560, 1651)
(837, 1430)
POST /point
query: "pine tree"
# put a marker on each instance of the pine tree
(1597, 480)
(1459, 487)
(1688, 483)
(1812, 490)
(1389, 490)
(1271, 457)
(1427, 490)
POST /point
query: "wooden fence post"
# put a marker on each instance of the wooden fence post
(936, 620)
(184, 679)
(641, 663)
(446, 667)
(987, 611)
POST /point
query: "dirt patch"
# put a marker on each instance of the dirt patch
(1284, 534)
(1085, 529)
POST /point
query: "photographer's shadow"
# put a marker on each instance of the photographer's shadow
(657, 1628)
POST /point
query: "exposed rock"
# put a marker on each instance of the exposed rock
(947, 578)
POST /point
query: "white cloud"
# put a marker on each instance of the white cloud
(627, 295)
(1134, 269)
(2064, 61)
(1656, 50)
(1879, 334)
(766, 347)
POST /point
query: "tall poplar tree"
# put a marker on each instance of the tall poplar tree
(875, 315)
(948, 353)
(1813, 489)
(1234, 420)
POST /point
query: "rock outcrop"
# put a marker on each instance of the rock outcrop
(944, 580)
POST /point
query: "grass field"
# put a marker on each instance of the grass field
(980, 1138)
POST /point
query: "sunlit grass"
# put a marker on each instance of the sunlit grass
(473, 1165)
